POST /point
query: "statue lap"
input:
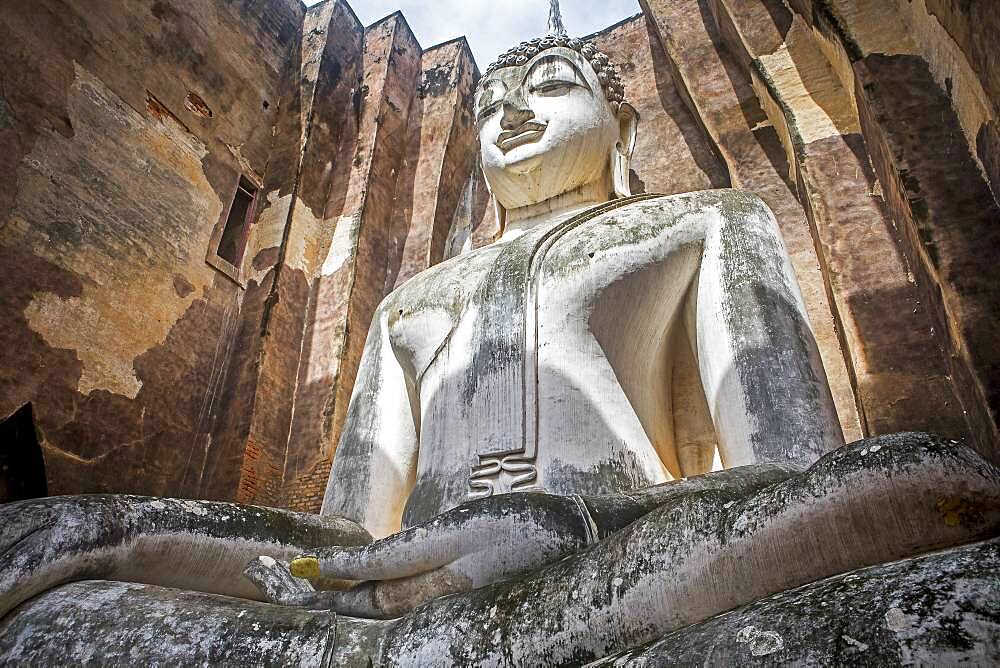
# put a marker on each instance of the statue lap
(933, 610)
(865, 506)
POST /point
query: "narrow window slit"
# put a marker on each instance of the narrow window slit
(234, 235)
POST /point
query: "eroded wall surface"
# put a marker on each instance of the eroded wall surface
(868, 127)
(884, 112)
(123, 134)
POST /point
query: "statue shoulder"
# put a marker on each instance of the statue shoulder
(731, 202)
(443, 287)
(658, 220)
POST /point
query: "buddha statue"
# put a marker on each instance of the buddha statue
(512, 487)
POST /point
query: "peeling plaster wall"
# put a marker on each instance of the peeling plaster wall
(884, 116)
(441, 152)
(123, 135)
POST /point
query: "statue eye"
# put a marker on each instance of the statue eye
(489, 100)
(488, 110)
(553, 75)
(553, 86)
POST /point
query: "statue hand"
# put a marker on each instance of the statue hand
(470, 546)
(276, 582)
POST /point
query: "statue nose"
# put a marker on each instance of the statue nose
(515, 111)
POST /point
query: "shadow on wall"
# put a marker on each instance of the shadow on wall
(703, 150)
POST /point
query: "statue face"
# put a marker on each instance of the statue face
(545, 128)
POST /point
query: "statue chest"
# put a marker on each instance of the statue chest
(544, 349)
(615, 264)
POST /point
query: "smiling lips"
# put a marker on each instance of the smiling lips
(525, 134)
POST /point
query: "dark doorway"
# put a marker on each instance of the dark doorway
(22, 469)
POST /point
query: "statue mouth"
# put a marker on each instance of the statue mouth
(525, 134)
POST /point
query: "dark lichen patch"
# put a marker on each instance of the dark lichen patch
(939, 609)
(617, 474)
(825, 15)
(776, 356)
(182, 286)
(444, 287)
(430, 495)
(436, 81)
(5, 119)
(633, 224)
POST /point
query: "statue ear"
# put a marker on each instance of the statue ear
(621, 157)
(498, 208)
(501, 214)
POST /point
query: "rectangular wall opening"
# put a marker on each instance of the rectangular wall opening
(234, 234)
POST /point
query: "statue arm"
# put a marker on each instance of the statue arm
(760, 367)
(612, 513)
(194, 545)
(482, 542)
(375, 463)
(703, 553)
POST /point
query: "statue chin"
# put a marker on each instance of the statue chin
(517, 162)
(518, 402)
(541, 170)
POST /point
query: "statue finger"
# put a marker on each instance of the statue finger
(275, 582)
(358, 601)
(401, 555)
(389, 599)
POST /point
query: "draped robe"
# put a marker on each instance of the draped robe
(545, 363)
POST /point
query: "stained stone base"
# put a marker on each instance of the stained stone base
(941, 609)
(103, 623)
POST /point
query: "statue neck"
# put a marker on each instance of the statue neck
(553, 210)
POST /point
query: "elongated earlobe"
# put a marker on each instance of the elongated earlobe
(498, 208)
(621, 156)
(501, 214)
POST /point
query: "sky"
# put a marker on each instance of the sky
(492, 26)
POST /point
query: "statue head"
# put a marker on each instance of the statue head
(552, 119)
